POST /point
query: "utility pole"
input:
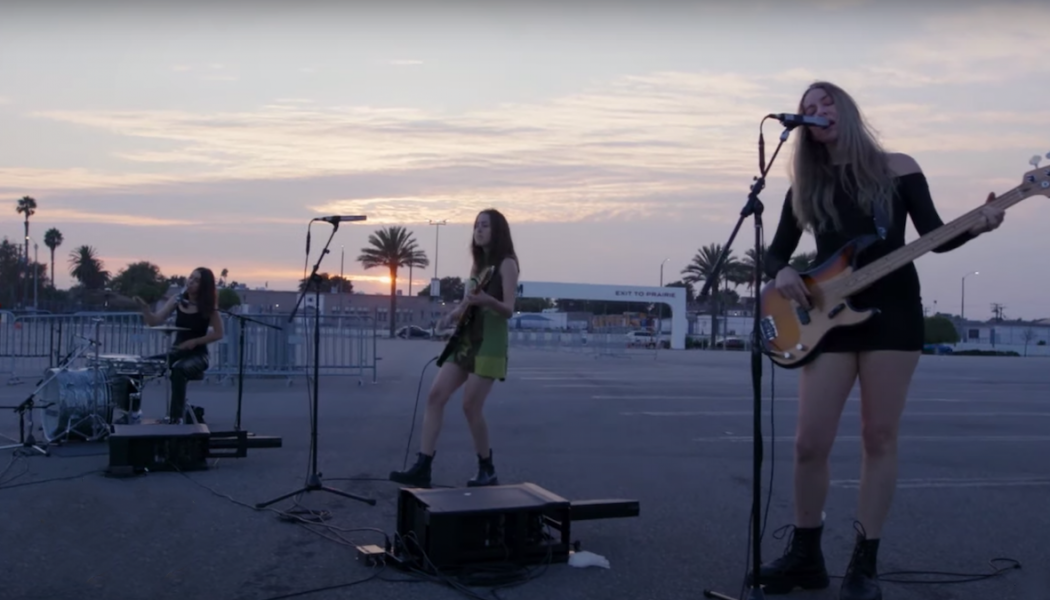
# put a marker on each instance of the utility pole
(437, 236)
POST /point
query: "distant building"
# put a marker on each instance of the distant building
(411, 310)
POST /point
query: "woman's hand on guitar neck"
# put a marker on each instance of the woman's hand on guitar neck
(790, 285)
(991, 217)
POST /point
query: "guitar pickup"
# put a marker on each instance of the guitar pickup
(769, 328)
(838, 308)
(803, 315)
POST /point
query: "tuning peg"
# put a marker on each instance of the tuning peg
(1035, 160)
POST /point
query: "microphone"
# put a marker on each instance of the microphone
(341, 218)
(792, 121)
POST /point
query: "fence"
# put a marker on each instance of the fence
(31, 344)
(596, 342)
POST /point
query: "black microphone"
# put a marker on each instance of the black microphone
(341, 218)
(789, 120)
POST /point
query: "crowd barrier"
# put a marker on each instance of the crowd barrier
(597, 343)
(29, 345)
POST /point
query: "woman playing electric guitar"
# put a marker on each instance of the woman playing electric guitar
(477, 353)
(843, 183)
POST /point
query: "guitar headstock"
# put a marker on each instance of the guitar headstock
(1036, 181)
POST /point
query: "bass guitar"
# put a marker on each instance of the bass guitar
(466, 318)
(792, 335)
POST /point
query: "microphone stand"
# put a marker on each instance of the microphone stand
(313, 480)
(753, 208)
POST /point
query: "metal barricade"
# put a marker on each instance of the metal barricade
(31, 344)
(598, 343)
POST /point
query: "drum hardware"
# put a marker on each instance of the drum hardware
(25, 410)
(66, 411)
(25, 441)
(172, 330)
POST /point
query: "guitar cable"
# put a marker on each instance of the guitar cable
(415, 411)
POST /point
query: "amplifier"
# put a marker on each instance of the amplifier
(464, 527)
(157, 447)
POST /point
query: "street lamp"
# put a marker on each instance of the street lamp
(437, 236)
(662, 271)
(962, 300)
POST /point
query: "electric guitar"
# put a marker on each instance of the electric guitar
(792, 335)
(466, 318)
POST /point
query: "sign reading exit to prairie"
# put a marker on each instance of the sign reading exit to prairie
(673, 297)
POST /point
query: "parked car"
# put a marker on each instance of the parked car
(414, 332)
(641, 337)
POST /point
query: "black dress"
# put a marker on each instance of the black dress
(899, 324)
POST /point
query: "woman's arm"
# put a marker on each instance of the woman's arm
(915, 191)
(785, 241)
(505, 307)
(214, 334)
(156, 318)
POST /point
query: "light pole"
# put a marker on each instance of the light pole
(437, 236)
(36, 273)
(962, 299)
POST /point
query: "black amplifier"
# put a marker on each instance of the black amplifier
(451, 529)
(157, 447)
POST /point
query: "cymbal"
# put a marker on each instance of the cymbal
(167, 328)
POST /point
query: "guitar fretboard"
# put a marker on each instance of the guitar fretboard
(882, 267)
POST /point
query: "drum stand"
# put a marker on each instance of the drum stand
(26, 442)
(99, 427)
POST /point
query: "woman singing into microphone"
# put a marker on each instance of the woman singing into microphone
(196, 310)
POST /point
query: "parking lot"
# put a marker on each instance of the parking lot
(671, 429)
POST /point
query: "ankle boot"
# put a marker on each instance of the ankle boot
(418, 475)
(486, 473)
(861, 581)
(801, 566)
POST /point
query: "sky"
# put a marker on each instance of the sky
(613, 135)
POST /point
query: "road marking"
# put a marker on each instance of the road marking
(910, 438)
(778, 398)
(748, 413)
(975, 482)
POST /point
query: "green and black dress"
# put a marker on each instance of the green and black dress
(482, 350)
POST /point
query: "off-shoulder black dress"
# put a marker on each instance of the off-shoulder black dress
(899, 323)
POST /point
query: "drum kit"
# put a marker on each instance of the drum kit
(86, 402)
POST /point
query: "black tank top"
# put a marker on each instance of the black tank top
(196, 323)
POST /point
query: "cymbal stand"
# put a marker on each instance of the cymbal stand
(28, 441)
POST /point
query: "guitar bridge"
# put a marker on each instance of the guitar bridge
(769, 328)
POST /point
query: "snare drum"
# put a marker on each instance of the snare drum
(69, 400)
(129, 364)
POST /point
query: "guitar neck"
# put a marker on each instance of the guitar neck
(882, 267)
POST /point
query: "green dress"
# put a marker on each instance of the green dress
(482, 349)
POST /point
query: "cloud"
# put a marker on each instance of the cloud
(403, 62)
(59, 215)
(5, 100)
(603, 151)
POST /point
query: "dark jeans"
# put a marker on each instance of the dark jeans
(184, 367)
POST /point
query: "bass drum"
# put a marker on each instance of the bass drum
(70, 403)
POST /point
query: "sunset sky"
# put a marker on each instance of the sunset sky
(612, 137)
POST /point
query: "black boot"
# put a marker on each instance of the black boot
(861, 581)
(486, 473)
(418, 475)
(802, 565)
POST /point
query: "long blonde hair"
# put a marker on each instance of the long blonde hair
(813, 177)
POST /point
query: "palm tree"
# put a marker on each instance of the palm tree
(803, 262)
(392, 247)
(419, 260)
(26, 206)
(87, 268)
(53, 239)
(702, 267)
